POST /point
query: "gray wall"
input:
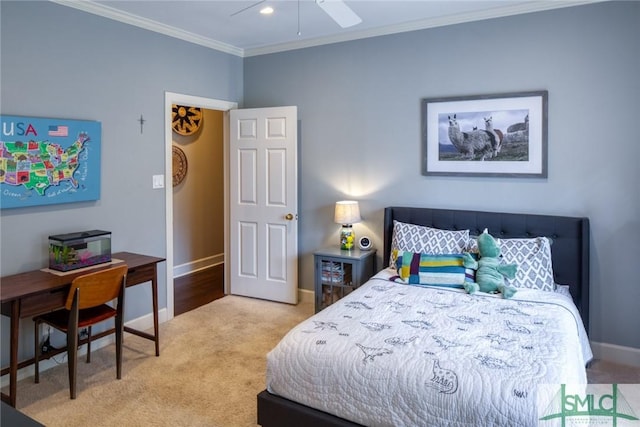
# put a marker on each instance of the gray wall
(60, 62)
(359, 109)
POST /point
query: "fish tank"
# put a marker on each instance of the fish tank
(77, 250)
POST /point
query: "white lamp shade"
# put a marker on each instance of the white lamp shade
(347, 212)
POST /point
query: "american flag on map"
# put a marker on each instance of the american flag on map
(58, 130)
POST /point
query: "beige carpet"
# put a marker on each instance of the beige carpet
(211, 367)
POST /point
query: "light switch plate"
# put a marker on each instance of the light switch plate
(158, 181)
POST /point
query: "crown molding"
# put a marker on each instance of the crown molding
(502, 11)
(148, 24)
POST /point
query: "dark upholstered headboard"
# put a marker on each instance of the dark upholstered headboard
(569, 250)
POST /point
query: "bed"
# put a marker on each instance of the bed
(434, 355)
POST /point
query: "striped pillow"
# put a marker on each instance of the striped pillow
(435, 270)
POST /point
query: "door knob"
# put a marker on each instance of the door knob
(289, 217)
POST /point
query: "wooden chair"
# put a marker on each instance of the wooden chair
(85, 307)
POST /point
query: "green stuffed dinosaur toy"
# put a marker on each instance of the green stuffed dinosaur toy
(490, 273)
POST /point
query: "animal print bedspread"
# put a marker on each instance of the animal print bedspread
(397, 355)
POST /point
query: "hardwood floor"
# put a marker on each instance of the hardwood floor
(196, 289)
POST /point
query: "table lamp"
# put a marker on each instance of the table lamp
(347, 213)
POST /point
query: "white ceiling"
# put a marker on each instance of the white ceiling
(227, 26)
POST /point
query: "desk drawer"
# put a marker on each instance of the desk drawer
(43, 303)
(142, 274)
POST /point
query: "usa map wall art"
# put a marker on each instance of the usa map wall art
(47, 161)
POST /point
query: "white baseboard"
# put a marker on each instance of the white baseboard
(199, 264)
(305, 295)
(142, 323)
(616, 353)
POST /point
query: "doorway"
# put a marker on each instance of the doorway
(198, 209)
(206, 103)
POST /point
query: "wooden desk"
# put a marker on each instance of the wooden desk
(35, 292)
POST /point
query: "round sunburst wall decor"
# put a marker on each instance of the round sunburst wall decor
(185, 120)
(179, 165)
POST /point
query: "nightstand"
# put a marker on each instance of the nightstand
(338, 272)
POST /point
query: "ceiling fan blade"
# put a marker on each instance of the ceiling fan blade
(339, 12)
(247, 8)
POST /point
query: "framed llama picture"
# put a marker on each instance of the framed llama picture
(486, 135)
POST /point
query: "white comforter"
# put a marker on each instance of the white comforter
(396, 355)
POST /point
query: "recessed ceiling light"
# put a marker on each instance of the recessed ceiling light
(266, 10)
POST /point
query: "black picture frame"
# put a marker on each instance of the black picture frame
(486, 135)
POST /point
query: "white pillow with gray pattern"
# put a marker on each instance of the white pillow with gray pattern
(427, 240)
(533, 258)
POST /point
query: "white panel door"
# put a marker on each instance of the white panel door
(263, 205)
